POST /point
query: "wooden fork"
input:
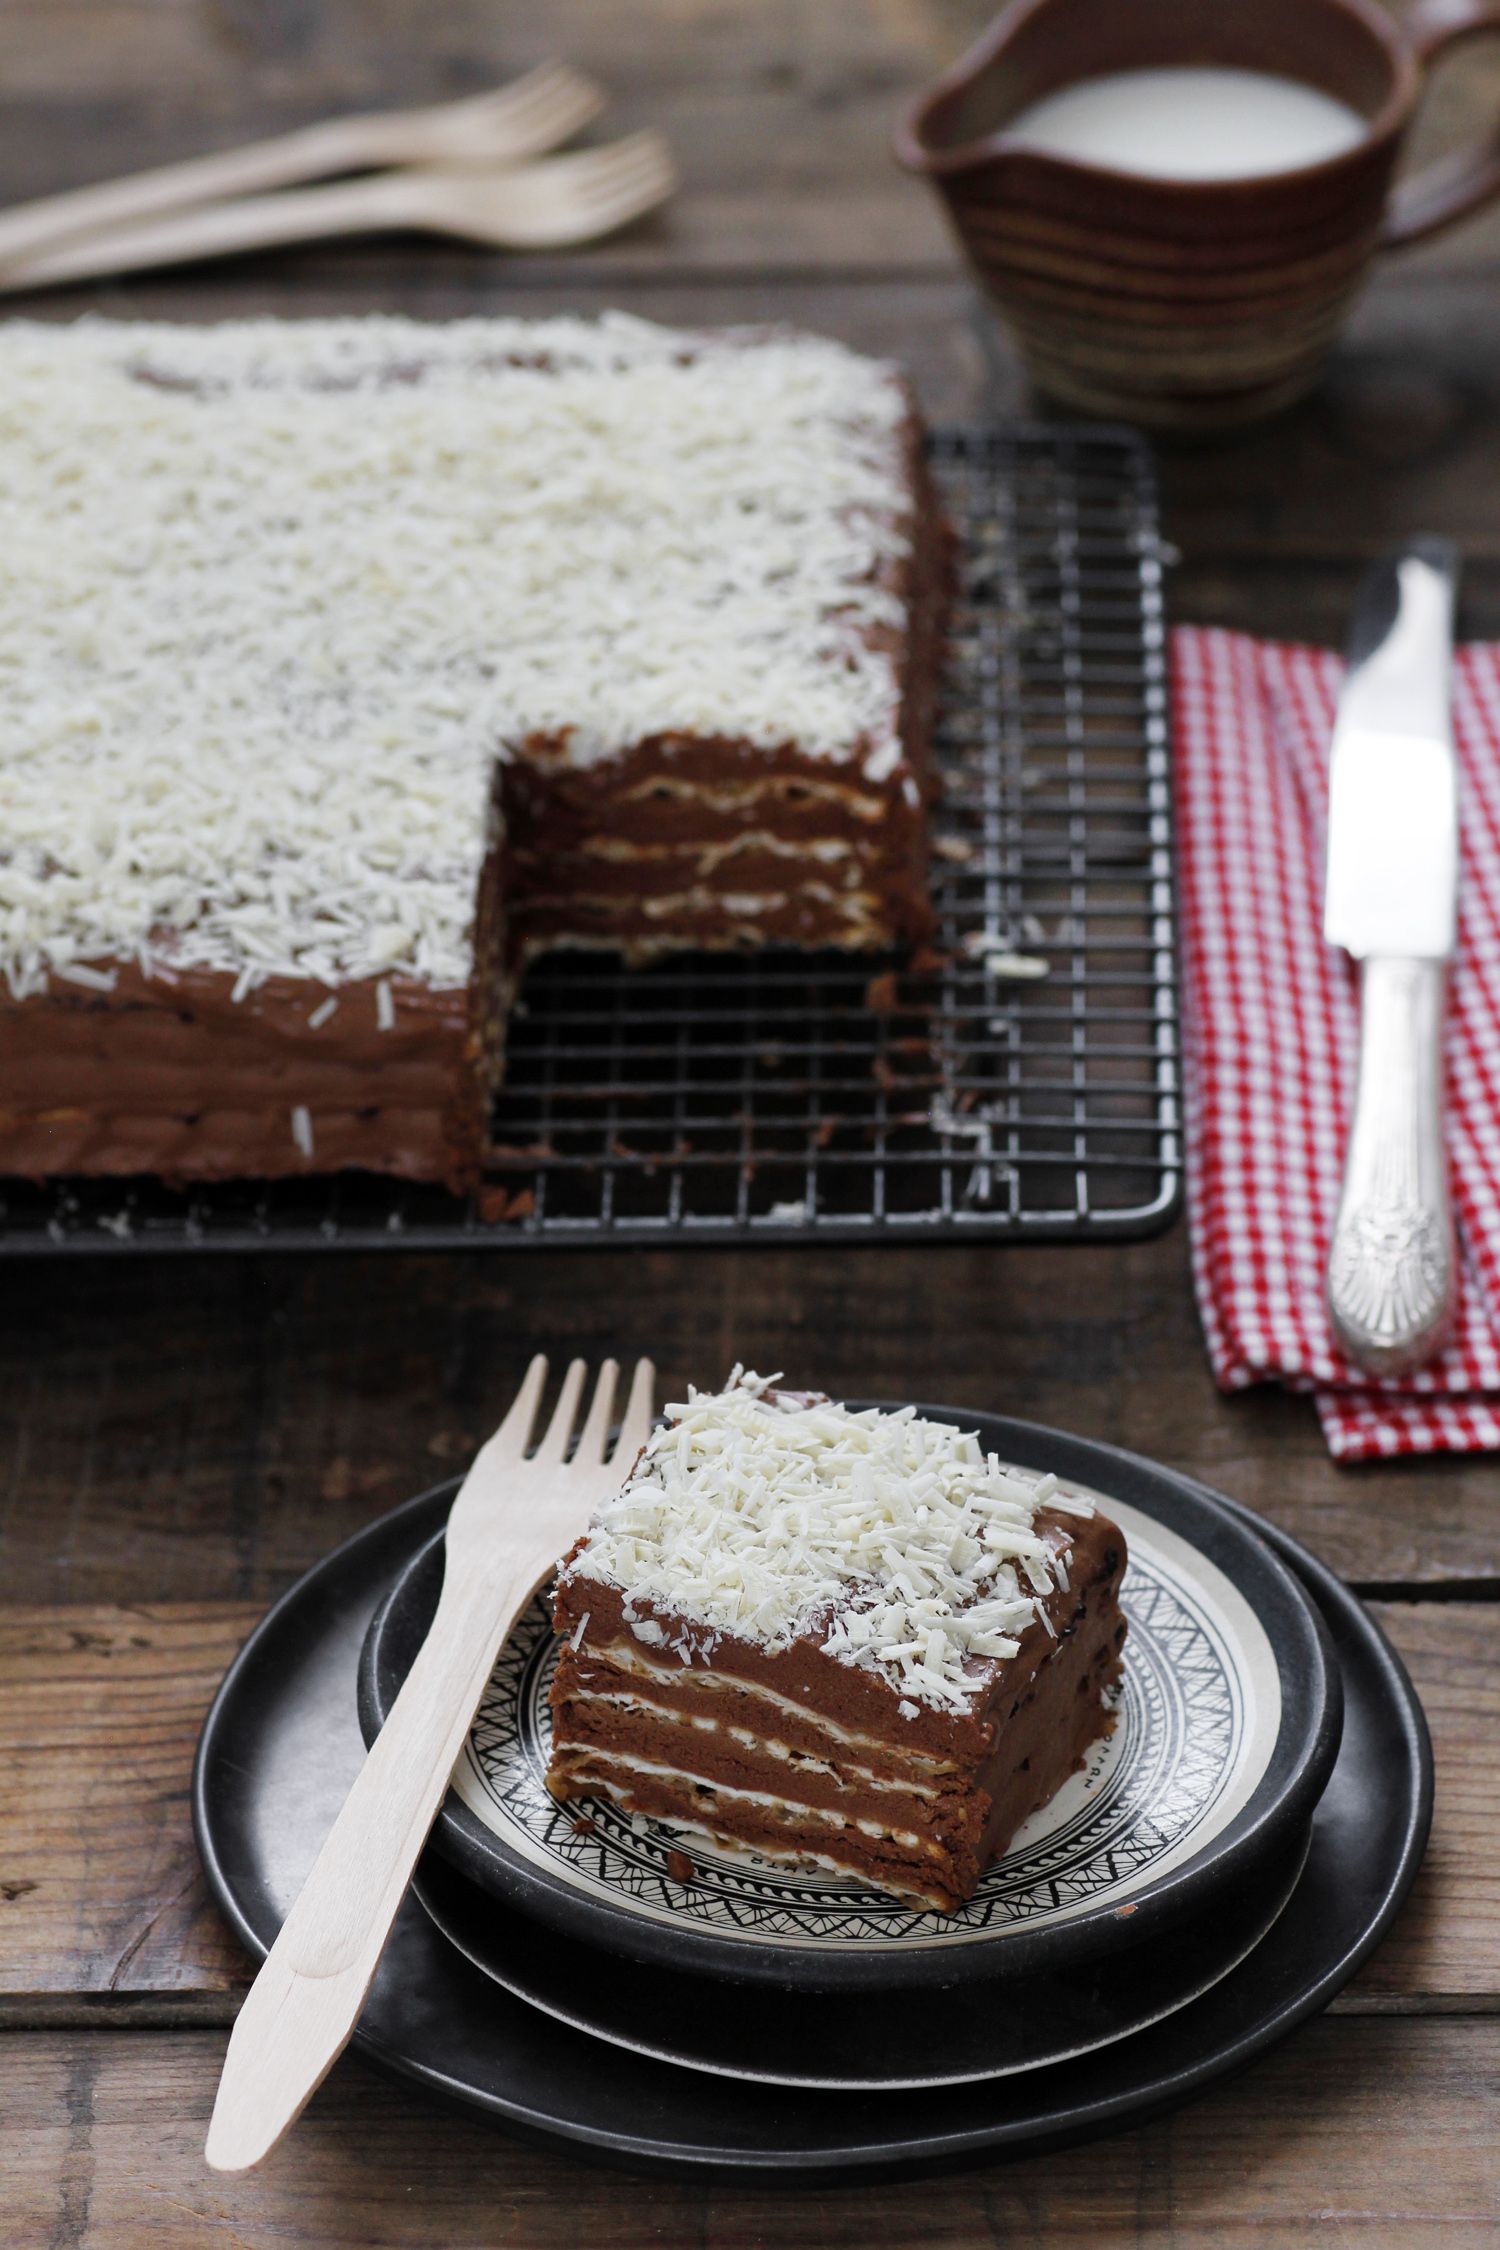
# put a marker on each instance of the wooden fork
(543, 206)
(508, 126)
(512, 1520)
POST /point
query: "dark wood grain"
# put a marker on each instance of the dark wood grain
(1376, 2134)
(204, 1429)
(100, 1894)
(1444, 1951)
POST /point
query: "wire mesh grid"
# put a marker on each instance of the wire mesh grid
(1017, 1078)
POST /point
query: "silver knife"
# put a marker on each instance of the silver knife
(1391, 901)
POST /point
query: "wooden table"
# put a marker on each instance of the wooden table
(182, 1438)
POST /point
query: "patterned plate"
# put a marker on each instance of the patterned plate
(281, 1747)
(1227, 1724)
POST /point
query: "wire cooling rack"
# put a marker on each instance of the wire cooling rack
(1017, 1079)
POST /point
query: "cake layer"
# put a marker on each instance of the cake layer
(893, 1857)
(614, 867)
(745, 1711)
(175, 1076)
(774, 1776)
(592, 1719)
(701, 920)
(651, 800)
(625, 874)
(746, 1798)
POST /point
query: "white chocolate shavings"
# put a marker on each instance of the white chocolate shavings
(1021, 966)
(275, 596)
(768, 1515)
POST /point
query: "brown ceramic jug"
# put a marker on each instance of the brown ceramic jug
(1188, 304)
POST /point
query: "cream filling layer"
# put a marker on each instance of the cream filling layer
(849, 1775)
(625, 1656)
(737, 796)
(789, 1855)
(579, 1760)
(622, 851)
(854, 906)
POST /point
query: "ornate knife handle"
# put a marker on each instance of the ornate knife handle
(1391, 1267)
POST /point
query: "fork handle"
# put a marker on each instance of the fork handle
(336, 144)
(304, 2003)
(254, 222)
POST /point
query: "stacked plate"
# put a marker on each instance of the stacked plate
(1231, 1853)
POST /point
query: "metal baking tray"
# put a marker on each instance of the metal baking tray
(1017, 1080)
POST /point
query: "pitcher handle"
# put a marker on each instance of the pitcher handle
(1454, 185)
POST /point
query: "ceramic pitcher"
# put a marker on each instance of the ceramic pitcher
(1188, 304)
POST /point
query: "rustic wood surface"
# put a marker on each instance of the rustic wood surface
(1370, 2133)
(178, 1440)
(1375, 2133)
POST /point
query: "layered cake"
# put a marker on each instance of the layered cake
(847, 1641)
(346, 665)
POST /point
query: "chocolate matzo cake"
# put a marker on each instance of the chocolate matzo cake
(845, 1640)
(345, 665)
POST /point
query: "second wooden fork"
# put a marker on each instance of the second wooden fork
(509, 125)
(543, 206)
(515, 1516)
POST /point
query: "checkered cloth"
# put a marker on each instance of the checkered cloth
(1271, 1026)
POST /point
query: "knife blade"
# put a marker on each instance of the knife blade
(1391, 900)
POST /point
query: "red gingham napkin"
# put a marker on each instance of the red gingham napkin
(1270, 1024)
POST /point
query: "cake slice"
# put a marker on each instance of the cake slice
(347, 665)
(844, 1640)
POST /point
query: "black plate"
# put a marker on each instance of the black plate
(947, 2038)
(674, 1936)
(281, 1745)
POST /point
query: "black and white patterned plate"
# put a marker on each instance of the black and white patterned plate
(281, 1747)
(1226, 1727)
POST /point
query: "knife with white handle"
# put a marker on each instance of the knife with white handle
(1391, 901)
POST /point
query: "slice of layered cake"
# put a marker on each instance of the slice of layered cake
(345, 665)
(845, 1640)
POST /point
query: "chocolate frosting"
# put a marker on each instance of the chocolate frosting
(180, 1079)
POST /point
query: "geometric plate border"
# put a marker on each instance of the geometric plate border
(1197, 1716)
